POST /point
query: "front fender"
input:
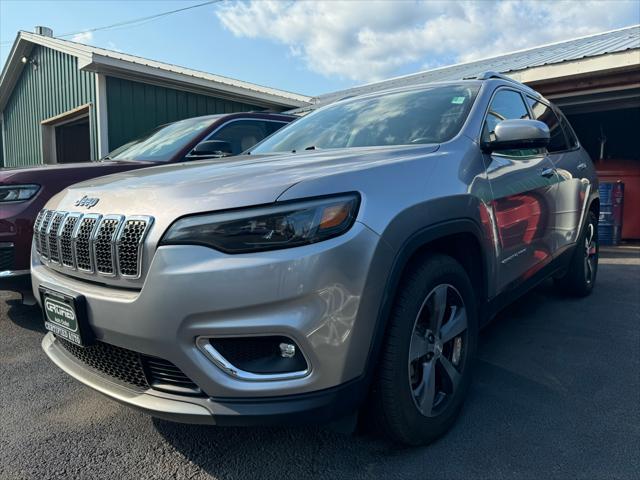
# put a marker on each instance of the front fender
(403, 237)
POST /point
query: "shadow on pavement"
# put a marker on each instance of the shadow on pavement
(25, 316)
(250, 452)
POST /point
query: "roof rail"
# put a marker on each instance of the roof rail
(492, 74)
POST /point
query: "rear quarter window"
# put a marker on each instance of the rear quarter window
(572, 139)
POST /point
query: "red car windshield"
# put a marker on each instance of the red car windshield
(161, 144)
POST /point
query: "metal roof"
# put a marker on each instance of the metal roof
(111, 62)
(570, 50)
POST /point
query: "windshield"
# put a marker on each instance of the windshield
(432, 114)
(161, 144)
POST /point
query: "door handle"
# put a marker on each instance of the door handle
(547, 172)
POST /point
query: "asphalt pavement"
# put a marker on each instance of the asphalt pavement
(556, 394)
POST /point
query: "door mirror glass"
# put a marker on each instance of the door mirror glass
(517, 134)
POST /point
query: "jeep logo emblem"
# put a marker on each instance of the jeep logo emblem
(87, 202)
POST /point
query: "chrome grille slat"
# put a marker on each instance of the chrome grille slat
(129, 246)
(82, 239)
(52, 236)
(104, 244)
(90, 243)
(42, 234)
(36, 230)
(67, 258)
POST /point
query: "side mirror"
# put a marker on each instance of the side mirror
(211, 148)
(518, 134)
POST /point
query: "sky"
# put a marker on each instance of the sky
(315, 47)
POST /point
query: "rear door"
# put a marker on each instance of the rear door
(574, 169)
(523, 199)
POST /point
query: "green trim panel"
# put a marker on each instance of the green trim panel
(135, 108)
(52, 86)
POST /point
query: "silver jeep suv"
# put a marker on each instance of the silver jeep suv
(347, 260)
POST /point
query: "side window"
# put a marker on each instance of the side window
(273, 127)
(244, 134)
(572, 139)
(545, 114)
(506, 105)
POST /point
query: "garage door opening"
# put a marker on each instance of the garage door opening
(609, 135)
(612, 140)
(66, 138)
(73, 143)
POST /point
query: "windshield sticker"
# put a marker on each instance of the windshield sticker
(457, 100)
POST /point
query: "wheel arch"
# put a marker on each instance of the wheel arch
(452, 237)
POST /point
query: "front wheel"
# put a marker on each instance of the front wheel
(580, 278)
(426, 362)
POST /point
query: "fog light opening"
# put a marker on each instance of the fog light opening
(257, 358)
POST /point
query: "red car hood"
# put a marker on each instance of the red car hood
(64, 174)
(53, 179)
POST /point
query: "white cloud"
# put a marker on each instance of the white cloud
(83, 37)
(365, 41)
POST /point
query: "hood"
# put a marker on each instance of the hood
(175, 190)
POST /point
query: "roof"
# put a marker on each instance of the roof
(615, 41)
(101, 60)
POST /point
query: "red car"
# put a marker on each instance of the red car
(24, 191)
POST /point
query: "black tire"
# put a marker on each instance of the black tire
(580, 277)
(400, 394)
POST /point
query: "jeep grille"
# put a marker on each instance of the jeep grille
(109, 245)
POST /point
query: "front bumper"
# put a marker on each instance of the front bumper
(311, 294)
(16, 232)
(316, 407)
(16, 281)
(10, 278)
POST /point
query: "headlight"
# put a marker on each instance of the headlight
(17, 193)
(283, 225)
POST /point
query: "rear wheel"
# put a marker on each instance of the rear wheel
(581, 275)
(426, 361)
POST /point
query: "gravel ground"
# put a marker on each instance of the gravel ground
(556, 395)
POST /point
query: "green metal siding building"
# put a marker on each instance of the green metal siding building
(54, 87)
(135, 108)
(62, 101)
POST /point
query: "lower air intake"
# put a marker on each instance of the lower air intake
(133, 368)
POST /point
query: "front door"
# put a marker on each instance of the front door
(523, 184)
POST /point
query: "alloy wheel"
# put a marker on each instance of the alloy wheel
(590, 254)
(437, 350)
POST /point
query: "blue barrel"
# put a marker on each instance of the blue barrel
(610, 221)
